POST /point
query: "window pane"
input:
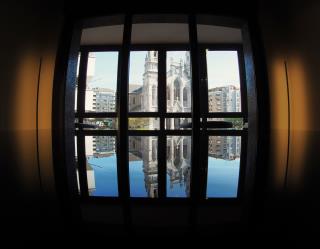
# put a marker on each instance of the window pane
(223, 81)
(143, 81)
(178, 124)
(101, 166)
(100, 124)
(178, 166)
(178, 81)
(101, 85)
(144, 123)
(223, 166)
(143, 166)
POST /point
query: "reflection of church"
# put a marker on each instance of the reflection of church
(178, 161)
(146, 149)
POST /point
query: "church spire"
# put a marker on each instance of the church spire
(151, 62)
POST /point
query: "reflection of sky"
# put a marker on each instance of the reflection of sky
(223, 177)
(177, 190)
(105, 174)
(223, 68)
(136, 175)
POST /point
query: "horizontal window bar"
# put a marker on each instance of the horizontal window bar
(96, 132)
(165, 47)
(96, 115)
(221, 46)
(157, 133)
(143, 114)
(100, 48)
(224, 132)
(137, 47)
(223, 115)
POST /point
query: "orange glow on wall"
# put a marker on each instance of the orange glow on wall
(23, 120)
(300, 120)
(278, 122)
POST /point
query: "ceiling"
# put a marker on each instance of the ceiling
(159, 33)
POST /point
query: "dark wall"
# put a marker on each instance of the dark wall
(29, 39)
(290, 34)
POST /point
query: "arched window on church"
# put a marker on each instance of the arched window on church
(177, 123)
(168, 153)
(154, 150)
(168, 123)
(168, 93)
(177, 157)
(185, 96)
(154, 95)
(185, 149)
(177, 90)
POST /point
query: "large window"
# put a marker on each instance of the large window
(153, 124)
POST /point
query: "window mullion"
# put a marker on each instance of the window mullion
(82, 162)
(162, 111)
(195, 106)
(123, 77)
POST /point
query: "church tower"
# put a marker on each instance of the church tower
(187, 65)
(150, 82)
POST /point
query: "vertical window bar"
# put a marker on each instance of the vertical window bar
(82, 85)
(203, 88)
(82, 163)
(123, 82)
(242, 165)
(204, 165)
(162, 100)
(195, 139)
(242, 76)
(194, 53)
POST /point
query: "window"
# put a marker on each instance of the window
(152, 100)
(143, 81)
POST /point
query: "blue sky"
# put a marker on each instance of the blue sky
(222, 68)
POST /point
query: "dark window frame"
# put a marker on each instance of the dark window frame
(162, 114)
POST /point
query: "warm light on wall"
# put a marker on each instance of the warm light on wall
(299, 104)
(300, 120)
(23, 120)
(278, 121)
